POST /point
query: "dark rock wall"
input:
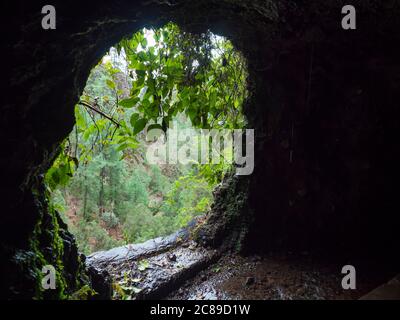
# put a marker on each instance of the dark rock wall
(327, 170)
(323, 103)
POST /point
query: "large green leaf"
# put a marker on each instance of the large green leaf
(129, 103)
(139, 125)
(134, 118)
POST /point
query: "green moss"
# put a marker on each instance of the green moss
(47, 234)
(40, 261)
(228, 219)
(84, 293)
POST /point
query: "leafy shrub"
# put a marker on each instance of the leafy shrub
(91, 237)
(110, 219)
(158, 182)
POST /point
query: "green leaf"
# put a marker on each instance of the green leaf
(141, 74)
(138, 66)
(143, 43)
(130, 289)
(213, 99)
(122, 147)
(139, 125)
(142, 56)
(110, 84)
(135, 89)
(129, 103)
(216, 269)
(55, 176)
(143, 265)
(79, 118)
(134, 118)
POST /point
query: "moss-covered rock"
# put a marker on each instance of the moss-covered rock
(229, 217)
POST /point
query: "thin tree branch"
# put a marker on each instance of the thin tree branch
(85, 104)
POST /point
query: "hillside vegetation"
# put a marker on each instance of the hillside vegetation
(101, 183)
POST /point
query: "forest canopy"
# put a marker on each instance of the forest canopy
(101, 182)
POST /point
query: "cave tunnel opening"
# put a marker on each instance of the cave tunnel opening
(107, 182)
(322, 102)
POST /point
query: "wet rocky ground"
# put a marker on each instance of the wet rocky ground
(176, 267)
(283, 277)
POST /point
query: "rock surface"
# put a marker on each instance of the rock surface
(274, 277)
(152, 269)
(154, 276)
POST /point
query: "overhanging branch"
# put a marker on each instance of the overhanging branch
(87, 105)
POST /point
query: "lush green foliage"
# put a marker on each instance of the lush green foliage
(101, 181)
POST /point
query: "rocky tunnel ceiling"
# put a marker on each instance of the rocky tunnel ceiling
(323, 103)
